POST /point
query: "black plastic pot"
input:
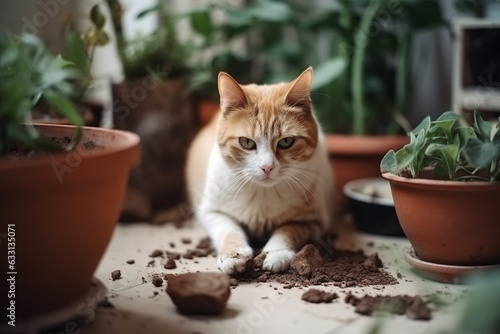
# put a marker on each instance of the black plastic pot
(371, 205)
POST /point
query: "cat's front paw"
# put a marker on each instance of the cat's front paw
(237, 262)
(278, 260)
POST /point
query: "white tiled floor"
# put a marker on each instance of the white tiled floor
(138, 310)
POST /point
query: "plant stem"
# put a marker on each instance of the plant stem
(362, 35)
(402, 83)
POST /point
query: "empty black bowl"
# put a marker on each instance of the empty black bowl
(371, 204)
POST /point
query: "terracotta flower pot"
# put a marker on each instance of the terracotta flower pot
(61, 211)
(356, 157)
(449, 222)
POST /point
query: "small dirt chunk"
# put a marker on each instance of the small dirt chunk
(173, 255)
(186, 241)
(116, 274)
(307, 260)
(157, 281)
(318, 296)
(372, 263)
(170, 264)
(156, 253)
(413, 307)
(130, 261)
(204, 243)
(199, 293)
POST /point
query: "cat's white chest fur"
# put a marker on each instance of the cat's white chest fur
(304, 197)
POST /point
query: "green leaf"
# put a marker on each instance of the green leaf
(271, 11)
(448, 155)
(97, 18)
(102, 38)
(149, 10)
(328, 71)
(479, 153)
(63, 106)
(389, 163)
(482, 127)
(201, 22)
(424, 125)
(446, 122)
(447, 116)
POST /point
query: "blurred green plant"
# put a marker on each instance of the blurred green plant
(160, 53)
(29, 75)
(360, 51)
(79, 47)
(454, 152)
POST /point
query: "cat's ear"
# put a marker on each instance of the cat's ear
(231, 93)
(299, 94)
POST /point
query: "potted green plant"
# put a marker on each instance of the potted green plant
(361, 54)
(445, 189)
(61, 186)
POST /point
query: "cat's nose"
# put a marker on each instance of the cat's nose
(267, 168)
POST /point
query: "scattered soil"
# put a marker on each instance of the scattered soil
(116, 274)
(413, 307)
(199, 293)
(317, 296)
(20, 151)
(157, 281)
(207, 293)
(130, 261)
(342, 268)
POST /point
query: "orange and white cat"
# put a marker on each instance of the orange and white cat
(260, 171)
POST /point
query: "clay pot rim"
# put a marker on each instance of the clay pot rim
(127, 140)
(426, 182)
(366, 144)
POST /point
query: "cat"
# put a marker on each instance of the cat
(260, 171)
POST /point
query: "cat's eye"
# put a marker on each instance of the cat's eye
(286, 142)
(247, 143)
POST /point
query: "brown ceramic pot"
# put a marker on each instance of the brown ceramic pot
(356, 157)
(449, 222)
(62, 209)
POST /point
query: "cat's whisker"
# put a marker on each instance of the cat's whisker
(303, 192)
(236, 183)
(308, 190)
(243, 182)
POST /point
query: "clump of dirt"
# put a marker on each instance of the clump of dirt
(116, 274)
(318, 296)
(342, 268)
(414, 307)
(199, 293)
(156, 253)
(170, 264)
(157, 281)
(306, 261)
